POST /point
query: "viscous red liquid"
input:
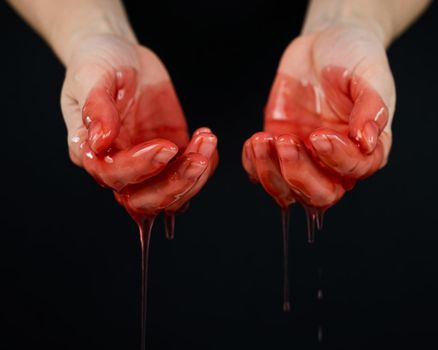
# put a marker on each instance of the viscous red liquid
(145, 226)
(127, 128)
(169, 225)
(285, 216)
(300, 108)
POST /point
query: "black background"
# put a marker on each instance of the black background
(69, 255)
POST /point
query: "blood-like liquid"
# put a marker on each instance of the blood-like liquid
(145, 226)
(339, 109)
(285, 215)
(136, 142)
(338, 106)
(315, 220)
(169, 225)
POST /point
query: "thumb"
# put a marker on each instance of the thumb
(89, 110)
(101, 117)
(373, 97)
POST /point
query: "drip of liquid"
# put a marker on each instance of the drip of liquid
(299, 108)
(319, 297)
(169, 220)
(145, 225)
(319, 300)
(319, 294)
(319, 219)
(319, 335)
(143, 155)
(285, 216)
(315, 220)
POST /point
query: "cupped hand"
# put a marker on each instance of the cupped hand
(127, 129)
(327, 121)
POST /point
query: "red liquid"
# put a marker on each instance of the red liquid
(291, 158)
(315, 220)
(319, 336)
(136, 143)
(170, 225)
(285, 215)
(302, 110)
(145, 226)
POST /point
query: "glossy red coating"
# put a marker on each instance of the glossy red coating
(137, 144)
(318, 139)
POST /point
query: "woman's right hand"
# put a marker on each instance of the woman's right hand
(127, 129)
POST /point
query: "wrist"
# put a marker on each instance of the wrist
(341, 13)
(65, 37)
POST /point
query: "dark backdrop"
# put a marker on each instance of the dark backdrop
(69, 255)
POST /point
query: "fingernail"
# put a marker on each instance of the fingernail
(208, 145)
(195, 169)
(202, 130)
(381, 118)
(288, 149)
(370, 134)
(321, 143)
(165, 154)
(95, 132)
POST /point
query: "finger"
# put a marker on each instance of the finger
(101, 118)
(368, 118)
(304, 177)
(248, 161)
(341, 154)
(364, 96)
(130, 166)
(203, 142)
(159, 192)
(268, 170)
(126, 84)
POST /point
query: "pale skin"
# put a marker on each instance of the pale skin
(351, 139)
(127, 139)
(328, 118)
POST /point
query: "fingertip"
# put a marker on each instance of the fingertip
(100, 137)
(261, 137)
(201, 130)
(100, 117)
(260, 145)
(370, 135)
(196, 164)
(321, 143)
(165, 154)
(203, 142)
(208, 143)
(95, 133)
(284, 139)
(287, 148)
(368, 120)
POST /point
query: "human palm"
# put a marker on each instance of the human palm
(327, 121)
(127, 129)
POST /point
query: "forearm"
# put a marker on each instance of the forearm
(64, 23)
(386, 18)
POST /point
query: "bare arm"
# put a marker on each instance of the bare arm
(386, 18)
(332, 102)
(64, 23)
(123, 117)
